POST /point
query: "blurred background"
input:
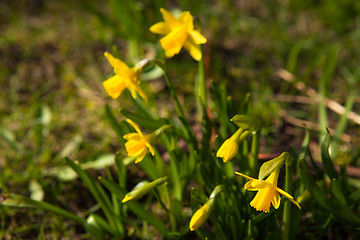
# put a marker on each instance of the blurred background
(52, 67)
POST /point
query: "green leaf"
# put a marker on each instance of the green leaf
(354, 197)
(135, 207)
(37, 192)
(71, 146)
(66, 173)
(336, 190)
(326, 160)
(101, 162)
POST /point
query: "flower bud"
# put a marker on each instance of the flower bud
(140, 191)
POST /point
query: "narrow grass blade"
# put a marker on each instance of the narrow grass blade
(312, 187)
(354, 197)
(121, 170)
(341, 211)
(98, 193)
(15, 200)
(175, 178)
(109, 116)
(101, 223)
(336, 190)
(326, 160)
(292, 60)
(10, 138)
(341, 126)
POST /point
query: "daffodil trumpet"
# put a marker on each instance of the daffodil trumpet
(268, 192)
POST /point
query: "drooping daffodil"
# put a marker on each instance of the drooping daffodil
(125, 77)
(179, 33)
(137, 144)
(202, 214)
(230, 147)
(268, 192)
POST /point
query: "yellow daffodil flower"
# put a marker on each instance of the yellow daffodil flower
(199, 217)
(138, 144)
(179, 33)
(230, 147)
(125, 77)
(268, 192)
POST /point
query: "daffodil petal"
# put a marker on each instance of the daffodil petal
(132, 88)
(193, 49)
(220, 151)
(276, 201)
(170, 53)
(140, 91)
(197, 37)
(116, 63)
(114, 86)
(285, 194)
(140, 157)
(152, 151)
(243, 175)
(294, 202)
(160, 28)
(288, 196)
(168, 17)
(135, 126)
(132, 136)
(187, 19)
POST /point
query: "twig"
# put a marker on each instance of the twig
(310, 125)
(331, 104)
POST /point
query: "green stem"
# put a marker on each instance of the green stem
(202, 82)
(253, 161)
(169, 83)
(178, 107)
(287, 204)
